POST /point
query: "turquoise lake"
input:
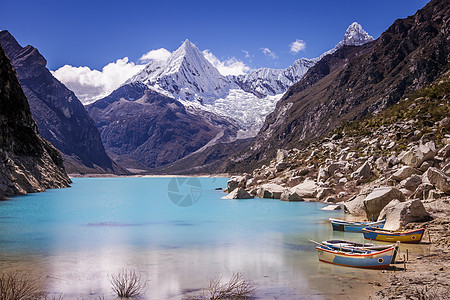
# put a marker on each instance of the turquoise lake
(177, 233)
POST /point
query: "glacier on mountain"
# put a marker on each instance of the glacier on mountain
(247, 99)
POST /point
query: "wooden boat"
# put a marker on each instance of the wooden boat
(385, 235)
(339, 244)
(341, 225)
(358, 258)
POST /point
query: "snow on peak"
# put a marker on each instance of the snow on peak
(186, 74)
(356, 35)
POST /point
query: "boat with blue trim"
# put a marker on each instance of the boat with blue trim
(341, 225)
(358, 258)
(386, 235)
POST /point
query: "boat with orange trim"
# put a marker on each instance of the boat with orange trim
(386, 235)
(358, 258)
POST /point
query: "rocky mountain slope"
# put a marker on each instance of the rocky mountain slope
(399, 154)
(144, 129)
(60, 116)
(29, 163)
(353, 82)
(247, 99)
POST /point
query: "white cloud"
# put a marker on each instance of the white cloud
(247, 54)
(90, 85)
(158, 54)
(269, 53)
(230, 66)
(297, 46)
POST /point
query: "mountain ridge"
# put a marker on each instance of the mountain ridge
(62, 119)
(29, 163)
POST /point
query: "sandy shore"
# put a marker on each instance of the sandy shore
(427, 274)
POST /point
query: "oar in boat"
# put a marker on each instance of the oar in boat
(320, 244)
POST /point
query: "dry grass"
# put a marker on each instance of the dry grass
(127, 284)
(20, 286)
(238, 287)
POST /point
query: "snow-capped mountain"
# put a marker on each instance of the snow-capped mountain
(263, 82)
(355, 35)
(186, 75)
(247, 99)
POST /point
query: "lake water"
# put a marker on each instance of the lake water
(177, 233)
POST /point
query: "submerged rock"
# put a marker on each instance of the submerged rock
(288, 195)
(332, 207)
(238, 193)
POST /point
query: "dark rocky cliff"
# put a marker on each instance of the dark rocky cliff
(354, 82)
(28, 163)
(60, 116)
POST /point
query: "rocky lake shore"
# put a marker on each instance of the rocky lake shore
(393, 165)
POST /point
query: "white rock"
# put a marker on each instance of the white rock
(411, 183)
(398, 214)
(270, 190)
(379, 198)
(416, 155)
(288, 195)
(332, 207)
(438, 179)
(238, 193)
(363, 172)
(306, 189)
(281, 155)
(404, 172)
(355, 206)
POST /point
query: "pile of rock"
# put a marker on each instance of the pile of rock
(373, 177)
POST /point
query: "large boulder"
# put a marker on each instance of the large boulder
(322, 175)
(422, 191)
(411, 183)
(355, 205)
(333, 167)
(270, 190)
(289, 195)
(306, 189)
(439, 179)
(398, 214)
(239, 193)
(404, 172)
(445, 151)
(379, 198)
(281, 155)
(234, 182)
(363, 172)
(416, 155)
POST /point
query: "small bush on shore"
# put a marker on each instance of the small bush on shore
(238, 287)
(127, 284)
(20, 286)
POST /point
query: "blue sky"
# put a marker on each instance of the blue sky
(95, 33)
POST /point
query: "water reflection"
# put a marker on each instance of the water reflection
(76, 237)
